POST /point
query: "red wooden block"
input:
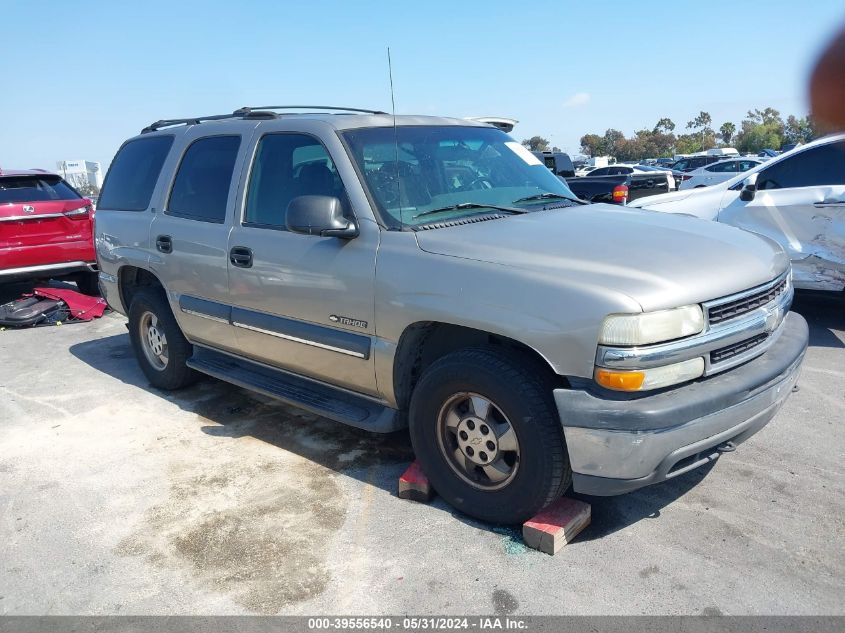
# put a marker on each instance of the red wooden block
(556, 525)
(413, 484)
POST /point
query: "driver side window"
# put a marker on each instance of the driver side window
(287, 166)
(816, 167)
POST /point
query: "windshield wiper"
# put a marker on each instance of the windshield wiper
(545, 196)
(469, 205)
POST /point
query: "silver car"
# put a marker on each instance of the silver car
(428, 272)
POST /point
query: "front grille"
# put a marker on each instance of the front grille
(738, 307)
(724, 353)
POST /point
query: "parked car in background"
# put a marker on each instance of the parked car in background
(627, 170)
(665, 162)
(768, 153)
(796, 199)
(620, 183)
(716, 173)
(690, 163)
(670, 175)
(46, 230)
(559, 163)
(584, 170)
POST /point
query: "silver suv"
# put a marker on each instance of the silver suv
(388, 271)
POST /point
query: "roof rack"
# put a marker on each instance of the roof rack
(263, 112)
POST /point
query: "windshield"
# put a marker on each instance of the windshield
(422, 174)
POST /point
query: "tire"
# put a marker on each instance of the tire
(88, 284)
(151, 312)
(537, 473)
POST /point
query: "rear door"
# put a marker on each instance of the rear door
(800, 203)
(190, 233)
(719, 172)
(43, 221)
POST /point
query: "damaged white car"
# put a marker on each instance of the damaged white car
(796, 199)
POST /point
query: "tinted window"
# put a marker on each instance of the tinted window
(601, 171)
(201, 189)
(816, 167)
(287, 166)
(722, 167)
(34, 189)
(745, 165)
(133, 174)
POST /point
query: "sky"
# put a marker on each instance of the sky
(81, 77)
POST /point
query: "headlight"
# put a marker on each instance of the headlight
(651, 327)
(654, 378)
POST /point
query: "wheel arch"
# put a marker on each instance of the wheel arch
(130, 279)
(424, 342)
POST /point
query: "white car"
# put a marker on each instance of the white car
(716, 172)
(796, 199)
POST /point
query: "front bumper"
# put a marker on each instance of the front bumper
(619, 443)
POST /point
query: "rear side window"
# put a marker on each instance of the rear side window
(722, 167)
(817, 167)
(201, 189)
(133, 174)
(15, 189)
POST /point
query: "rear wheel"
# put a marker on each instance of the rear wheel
(487, 434)
(160, 347)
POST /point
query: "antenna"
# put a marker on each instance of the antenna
(395, 139)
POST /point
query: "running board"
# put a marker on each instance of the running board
(310, 395)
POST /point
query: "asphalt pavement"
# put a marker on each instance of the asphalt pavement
(121, 499)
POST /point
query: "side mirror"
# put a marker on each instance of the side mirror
(749, 188)
(319, 215)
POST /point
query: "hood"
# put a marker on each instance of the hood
(660, 260)
(703, 202)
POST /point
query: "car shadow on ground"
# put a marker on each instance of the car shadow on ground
(825, 312)
(232, 412)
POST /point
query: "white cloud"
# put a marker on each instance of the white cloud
(577, 100)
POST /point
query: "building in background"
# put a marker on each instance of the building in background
(81, 172)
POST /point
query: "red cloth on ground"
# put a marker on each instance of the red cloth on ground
(82, 307)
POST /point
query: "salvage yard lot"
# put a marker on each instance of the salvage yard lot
(120, 499)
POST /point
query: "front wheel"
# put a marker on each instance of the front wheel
(160, 347)
(487, 434)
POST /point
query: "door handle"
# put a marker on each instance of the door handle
(241, 256)
(164, 244)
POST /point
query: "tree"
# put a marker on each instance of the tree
(726, 132)
(536, 144)
(761, 129)
(664, 126)
(801, 130)
(592, 145)
(87, 189)
(702, 122)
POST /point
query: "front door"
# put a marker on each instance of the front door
(299, 302)
(800, 203)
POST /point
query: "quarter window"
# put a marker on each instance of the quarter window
(816, 167)
(287, 166)
(133, 174)
(201, 189)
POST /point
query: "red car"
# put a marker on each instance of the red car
(46, 230)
